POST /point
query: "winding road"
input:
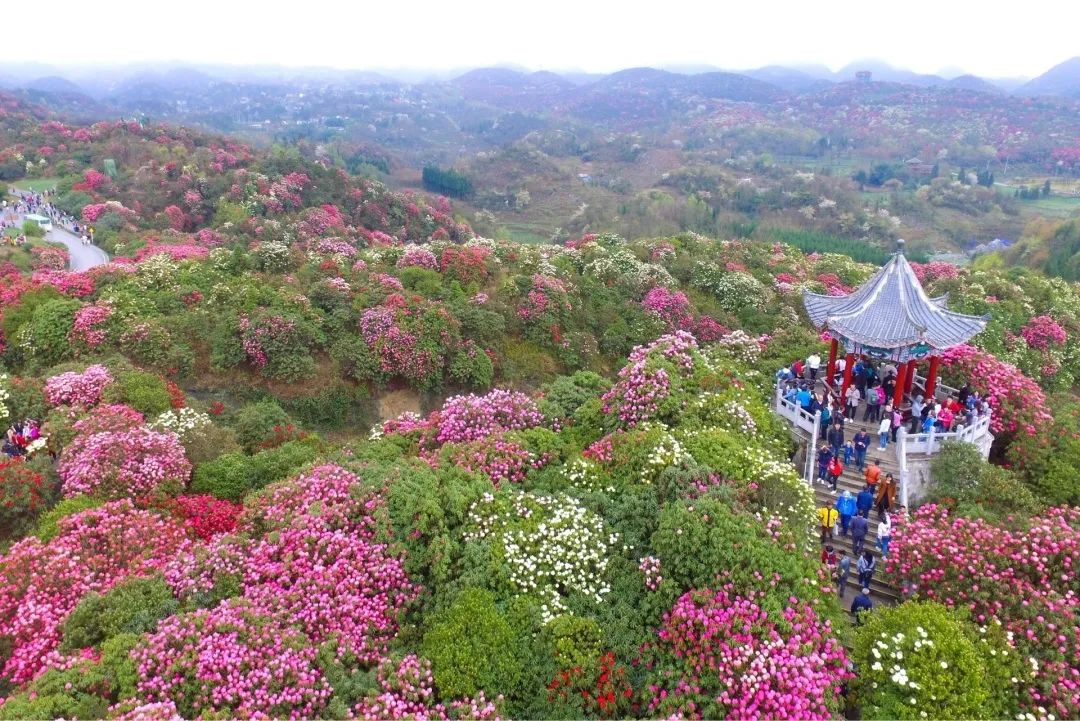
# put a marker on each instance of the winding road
(81, 257)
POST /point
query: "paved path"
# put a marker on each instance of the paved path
(82, 256)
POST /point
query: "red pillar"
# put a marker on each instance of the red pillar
(830, 370)
(911, 366)
(901, 381)
(847, 376)
(931, 378)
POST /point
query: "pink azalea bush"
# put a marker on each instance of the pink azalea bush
(645, 382)
(719, 655)
(406, 691)
(230, 661)
(1024, 578)
(472, 417)
(81, 390)
(1018, 403)
(927, 273)
(87, 326)
(116, 464)
(672, 307)
(417, 257)
(1042, 331)
(114, 417)
(41, 583)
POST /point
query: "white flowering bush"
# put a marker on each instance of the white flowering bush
(158, 272)
(922, 660)
(272, 256)
(184, 422)
(4, 395)
(552, 547)
(734, 290)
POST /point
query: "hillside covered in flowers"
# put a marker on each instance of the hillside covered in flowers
(311, 448)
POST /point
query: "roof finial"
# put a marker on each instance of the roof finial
(900, 245)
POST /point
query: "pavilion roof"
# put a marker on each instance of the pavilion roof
(891, 310)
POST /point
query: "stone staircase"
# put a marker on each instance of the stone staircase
(883, 590)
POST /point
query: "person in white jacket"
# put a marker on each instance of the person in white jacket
(884, 534)
(884, 427)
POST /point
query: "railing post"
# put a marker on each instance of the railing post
(901, 457)
(930, 440)
(812, 449)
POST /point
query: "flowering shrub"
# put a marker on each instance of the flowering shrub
(467, 264)
(417, 257)
(278, 345)
(1018, 404)
(115, 417)
(409, 338)
(672, 307)
(645, 382)
(78, 389)
(920, 660)
(600, 691)
(5, 394)
(230, 660)
(406, 691)
(22, 495)
(186, 423)
(1024, 578)
(88, 321)
(92, 551)
(1042, 331)
(116, 464)
(720, 655)
(552, 546)
(500, 458)
(472, 417)
(206, 516)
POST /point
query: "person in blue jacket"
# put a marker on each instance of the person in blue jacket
(845, 506)
(861, 604)
(864, 502)
(804, 397)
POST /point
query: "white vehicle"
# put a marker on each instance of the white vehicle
(43, 222)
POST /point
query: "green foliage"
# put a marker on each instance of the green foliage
(334, 406)
(577, 641)
(922, 660)
(44, 338)
(255, 423)
(232, 475)
(472, 647)
(21, 313)
(428, 508)
(448, 182)
(966, 483)
(145, 392)
(47, 528)
(812, 241)
(472, 368)
(32, 230)
(564, 395)
(133, 606)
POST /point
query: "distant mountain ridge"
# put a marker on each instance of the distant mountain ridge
(1062, 80)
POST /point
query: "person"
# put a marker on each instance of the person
(861, 605)
(824, 456)
(858, 374)
(791, 395)
(826, 413)
(897, 422)
(838, 375)
(888, 386)
(849, 452)
(860, 526)
(783, 375)
(861, 441)
(883, 432)
(835, 438)
(873, 401)
(964, 394)
(929, 421)
(852, 396)
(886, 495)
(872, 474)
(836, 469)
(843, 570)
(916, 413)
(828, 556)
(803, 397)
(945, 419)
(867, 566)
(884, 535)
(827, 518)
(813, 362)
(798, 367)
(845, 506)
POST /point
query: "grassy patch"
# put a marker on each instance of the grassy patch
(812, 241)
(35, 185)
(1056, 205)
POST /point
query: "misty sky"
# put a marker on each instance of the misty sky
(999, 39)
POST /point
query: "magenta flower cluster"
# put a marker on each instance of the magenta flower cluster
(1024, 577)
(417, 257)
(230, 660)
(670, 306)
(472, 417)
(81, 390)
(719, 655)
(255, 335)
(41, 583)
(87, 326)
(1042, 331)
(1018, 403)
(406, 691)
(127, 463)
(643, 384)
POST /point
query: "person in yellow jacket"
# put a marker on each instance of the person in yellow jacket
(827, 517)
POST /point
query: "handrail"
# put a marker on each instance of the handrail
(901, 462)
